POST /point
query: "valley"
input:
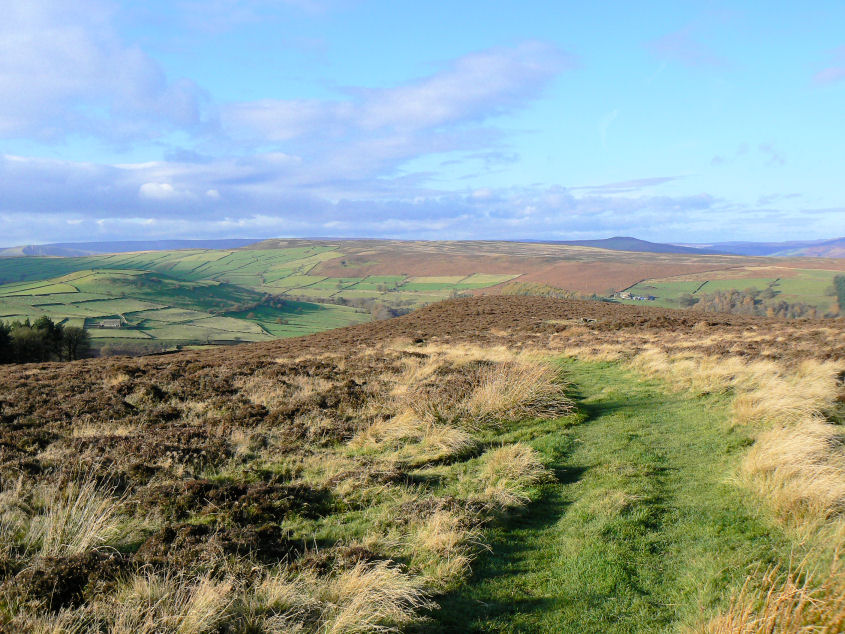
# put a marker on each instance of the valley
(283, 288)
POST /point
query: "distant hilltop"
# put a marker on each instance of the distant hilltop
(627, 243)
(834, 248)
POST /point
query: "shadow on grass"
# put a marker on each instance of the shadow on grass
(478, 605)
(464, 609)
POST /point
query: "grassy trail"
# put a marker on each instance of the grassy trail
(640, 533)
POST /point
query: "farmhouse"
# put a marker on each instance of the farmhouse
(110, 323)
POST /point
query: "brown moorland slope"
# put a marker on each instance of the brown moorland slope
(333, 482)
(575, 268)
(39, 400)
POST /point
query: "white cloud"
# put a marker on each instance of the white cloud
(260, 197)
(159, 191)
(64, 70)
(473, 88)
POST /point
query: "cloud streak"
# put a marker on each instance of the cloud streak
(836, 71)
(683, 47)
(249, 198)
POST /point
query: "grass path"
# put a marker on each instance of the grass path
(640, 533)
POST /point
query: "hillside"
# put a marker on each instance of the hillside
(494, 463)
(75, 249)
(627, 243)
(286, 288)
(158, 309)
(826, 249)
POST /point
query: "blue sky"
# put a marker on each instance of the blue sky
(684, 122)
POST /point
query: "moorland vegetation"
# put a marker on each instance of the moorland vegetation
(567, 465)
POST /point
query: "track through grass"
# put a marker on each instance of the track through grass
(643, 532)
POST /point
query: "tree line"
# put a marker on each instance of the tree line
(751, 301)
(43, 340)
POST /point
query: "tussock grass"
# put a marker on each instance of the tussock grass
(515, 390)
(417, 442)
(73, 519)
(778, 602)
(498, 385)
(444, 545)
(507, 473)
(151, 602)
(800, 470)
(368, 597)
(365, 598)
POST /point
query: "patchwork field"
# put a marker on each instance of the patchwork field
(291, 287)
(154, 307)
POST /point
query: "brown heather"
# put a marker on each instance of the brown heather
(212, 481)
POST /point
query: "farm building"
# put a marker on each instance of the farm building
(111, 323)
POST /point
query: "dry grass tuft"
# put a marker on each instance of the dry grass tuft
(514, 390)
(73, 519)
(795, 601)
(368, 597)
(417, 442)
(800, 469)
(444, 546)
(151, 603)
(508, 472)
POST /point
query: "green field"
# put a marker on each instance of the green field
(807, 286)
(204, 296)
(157, 307)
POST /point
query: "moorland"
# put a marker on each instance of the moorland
(282, 288)
(494, 463)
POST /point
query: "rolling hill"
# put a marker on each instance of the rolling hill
(834, 248)
(73, 249)
(290, 287)
(482, 464)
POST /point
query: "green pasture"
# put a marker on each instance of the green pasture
(189, 264)
(376, 282)
(448, 280)
(808, 286)
(302, 318)
(157, 306)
